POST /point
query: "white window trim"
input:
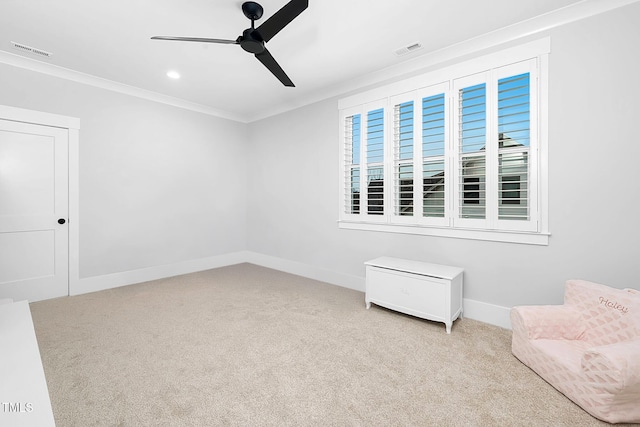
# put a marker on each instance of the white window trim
(359, 103)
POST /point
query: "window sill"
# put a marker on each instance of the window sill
(541, 239)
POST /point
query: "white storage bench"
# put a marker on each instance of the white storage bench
(428, 291)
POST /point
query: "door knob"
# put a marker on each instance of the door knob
(61, 221)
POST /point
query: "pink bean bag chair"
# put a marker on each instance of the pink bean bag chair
(588, 348)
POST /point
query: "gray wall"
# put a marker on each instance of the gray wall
(594, 194)
(158, 184)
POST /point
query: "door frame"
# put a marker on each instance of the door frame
(72, 124)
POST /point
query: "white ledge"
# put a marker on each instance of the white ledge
(541, 239)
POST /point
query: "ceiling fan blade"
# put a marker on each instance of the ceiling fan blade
(281, 18)
(195, 39)
(268, 61)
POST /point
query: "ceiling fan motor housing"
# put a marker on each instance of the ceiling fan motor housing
(251, 41)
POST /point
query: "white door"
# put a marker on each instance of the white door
(34, 238)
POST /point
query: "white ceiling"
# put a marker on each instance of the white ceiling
(333, 41)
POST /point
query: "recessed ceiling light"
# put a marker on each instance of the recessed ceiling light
(173, 74)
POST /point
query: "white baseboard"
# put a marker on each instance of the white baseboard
(477, 310)
(487, 313)
(306, 270)
(108, 281)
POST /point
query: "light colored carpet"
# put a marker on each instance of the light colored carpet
(249, 346)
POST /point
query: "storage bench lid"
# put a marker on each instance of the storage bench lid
(416, 267)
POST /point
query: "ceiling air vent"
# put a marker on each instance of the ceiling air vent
(32, 50)
(408, 49)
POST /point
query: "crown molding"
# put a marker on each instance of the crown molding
(99, 82)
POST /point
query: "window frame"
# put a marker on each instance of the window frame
(531, 56)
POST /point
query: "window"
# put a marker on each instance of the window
(458, 154)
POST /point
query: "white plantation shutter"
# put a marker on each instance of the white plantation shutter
(351, 179)
(513, 147)
(419, 156)
(495, 136)
(375, 162)
(472, 151)
(434, 179)
(403, 131)
(517, 147)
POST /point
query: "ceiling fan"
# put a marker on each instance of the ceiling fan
(253, 39)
